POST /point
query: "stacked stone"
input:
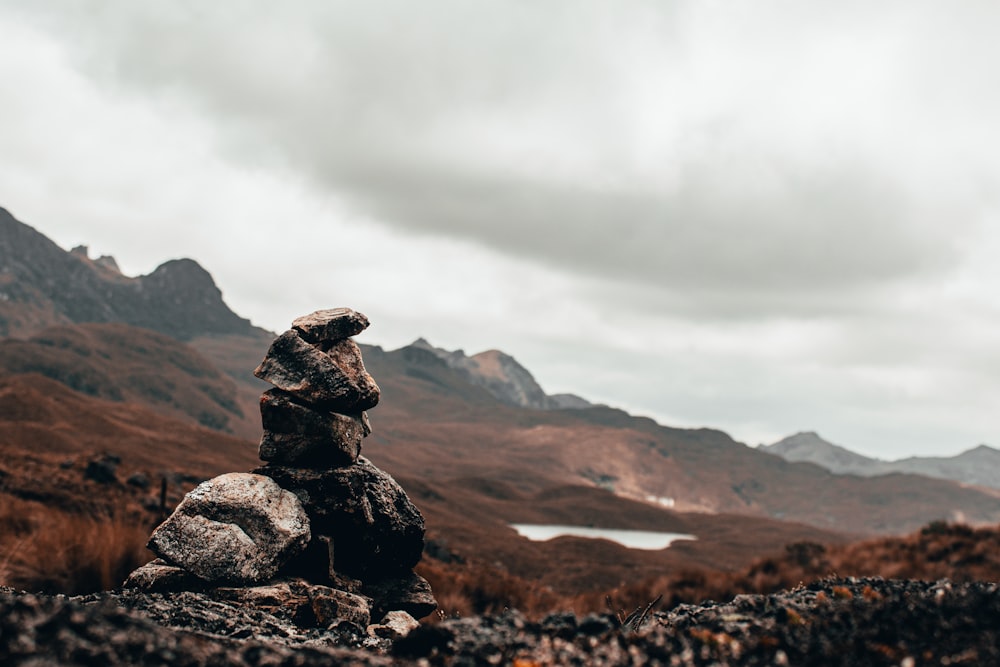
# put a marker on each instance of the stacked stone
(364, 527)
(318, 527)
(315, 417)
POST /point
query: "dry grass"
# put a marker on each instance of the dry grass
(938, 551)
(466, 589)
(46, 549)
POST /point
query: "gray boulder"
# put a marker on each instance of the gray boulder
(376, 531)
(334, 379)
(295, 434)
(236, 528)
(330, 325)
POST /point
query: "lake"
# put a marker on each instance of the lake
(633, 539)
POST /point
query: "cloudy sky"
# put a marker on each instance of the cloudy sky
(762, 217)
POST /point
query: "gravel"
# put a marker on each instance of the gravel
(830, 622)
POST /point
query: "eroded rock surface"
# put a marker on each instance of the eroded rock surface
(320, 536)
(336, 382)
(376, 530)
(237, 527)
(295, 434)
(831, 622)
(330, 324)
(409, 592)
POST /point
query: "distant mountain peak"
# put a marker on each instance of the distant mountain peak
(104, 261)
(979, 466)
(501, 375)
(809, 447)
(43, 285)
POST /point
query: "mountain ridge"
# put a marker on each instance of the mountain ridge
(474, 462)
(41, 285)
(504, 377)
(978, 466)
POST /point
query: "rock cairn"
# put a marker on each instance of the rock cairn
(318, 533)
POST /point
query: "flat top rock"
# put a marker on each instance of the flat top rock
(330, 325)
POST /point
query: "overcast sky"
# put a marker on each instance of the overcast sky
(762, 217)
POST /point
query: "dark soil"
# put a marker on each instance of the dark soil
(832, 622)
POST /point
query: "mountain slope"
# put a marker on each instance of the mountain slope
(808, 447)
(48, 433)
(502, 376)
(979, 466)
(431, 425)
(42, 285)
(122, 363)
(472, 461)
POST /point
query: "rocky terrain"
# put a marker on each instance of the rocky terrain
(832, 622)
(318, 534)
(979, 466)
(113, 408)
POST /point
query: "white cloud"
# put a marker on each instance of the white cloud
(762, 217)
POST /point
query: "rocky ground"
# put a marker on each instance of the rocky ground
(832, 622)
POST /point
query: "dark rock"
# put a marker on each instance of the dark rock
(280, 598)
(236, 528)
(332, 606)
(376, 530)
(410, 593)
(295, 434)
(139, 480)
(330, 325)
(595, 625)
(439, 550)
(103, 470)
(315, 564)
(344, 583)
(830, 622)
(336, 381)
(158, 576)
(560, 624)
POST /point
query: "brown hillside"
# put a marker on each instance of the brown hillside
(42, 417)
(434, 427)
(474, 465)
(49, 433)
(121, 363)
